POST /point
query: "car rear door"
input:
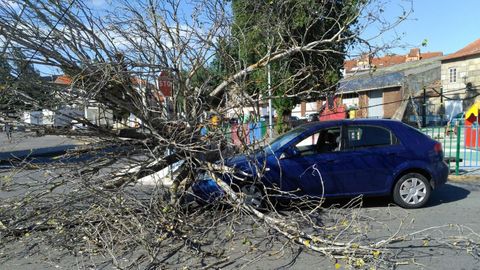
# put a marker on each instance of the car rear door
(373, 153)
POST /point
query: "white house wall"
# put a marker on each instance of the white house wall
(468, 71)
(297, 111)
(310, 107)
(350, 102)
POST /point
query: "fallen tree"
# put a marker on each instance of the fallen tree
(100, 208)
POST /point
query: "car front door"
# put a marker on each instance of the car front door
(311, 166)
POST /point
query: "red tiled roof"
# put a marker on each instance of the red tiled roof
(349, 64)
(414, 52)
(390, 60)
(471, 49)
(431, 55)
(63, 80)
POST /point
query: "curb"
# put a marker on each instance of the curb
(463, 178)
(36, 152)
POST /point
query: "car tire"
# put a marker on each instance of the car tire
(254, 196)
(412, 191)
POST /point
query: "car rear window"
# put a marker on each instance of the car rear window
(369, 136)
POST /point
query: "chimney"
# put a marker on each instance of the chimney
(414, 55)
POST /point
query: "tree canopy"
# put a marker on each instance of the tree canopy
(18, 75)
(261, 27)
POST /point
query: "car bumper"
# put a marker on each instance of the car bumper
(207, 190)
(440, 174)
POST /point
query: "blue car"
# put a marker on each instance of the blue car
(341, 158)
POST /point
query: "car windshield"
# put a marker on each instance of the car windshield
(283, 139)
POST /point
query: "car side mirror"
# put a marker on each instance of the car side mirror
(290, 153)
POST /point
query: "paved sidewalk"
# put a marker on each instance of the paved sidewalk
(470, 174)
(26, 144)
(28, 140)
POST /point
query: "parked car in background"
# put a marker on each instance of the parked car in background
(341, 158)
(294, 118)
(313, 117)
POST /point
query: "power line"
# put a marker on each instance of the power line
(419, 97)
(406, 99)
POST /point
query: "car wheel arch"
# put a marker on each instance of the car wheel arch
(421, 171)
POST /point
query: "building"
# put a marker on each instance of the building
(304, 108)
(62, 114)
(76, 105)
(460, 77)
(394, 91)
(368, 63)
(367, 67)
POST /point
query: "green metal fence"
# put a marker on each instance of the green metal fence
(460, 145)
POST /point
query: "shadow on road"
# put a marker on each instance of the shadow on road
(446, 194)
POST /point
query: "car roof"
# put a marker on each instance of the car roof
(381, 122)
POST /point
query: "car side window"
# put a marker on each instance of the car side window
(323, 141)
(369, 136)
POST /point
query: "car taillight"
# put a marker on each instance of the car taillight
(437, 148)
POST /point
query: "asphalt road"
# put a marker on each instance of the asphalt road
(454, 203)
(457, 202)
(27, 140)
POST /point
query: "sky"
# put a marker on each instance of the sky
(447, 25)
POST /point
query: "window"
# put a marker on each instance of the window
(284, 139)
(453, 74)
(369, 136)
(324, 141)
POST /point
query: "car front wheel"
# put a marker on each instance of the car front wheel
(412, 191)
(253, 196)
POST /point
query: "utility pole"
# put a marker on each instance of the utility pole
(424, 108)
(270, 117)
(442, 107)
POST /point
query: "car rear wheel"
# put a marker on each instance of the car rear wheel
(412, 191)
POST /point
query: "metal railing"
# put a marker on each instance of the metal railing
(461, 144)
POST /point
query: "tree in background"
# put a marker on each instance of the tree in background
(5, 71)
(28, 80)
(260, 27)
(5, 78)
(21, 84)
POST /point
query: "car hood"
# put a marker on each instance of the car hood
(247, 163)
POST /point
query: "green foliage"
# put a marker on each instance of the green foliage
(424, 42)
(19, 75)
(260, 26)
(5, 71)
(5, 78)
